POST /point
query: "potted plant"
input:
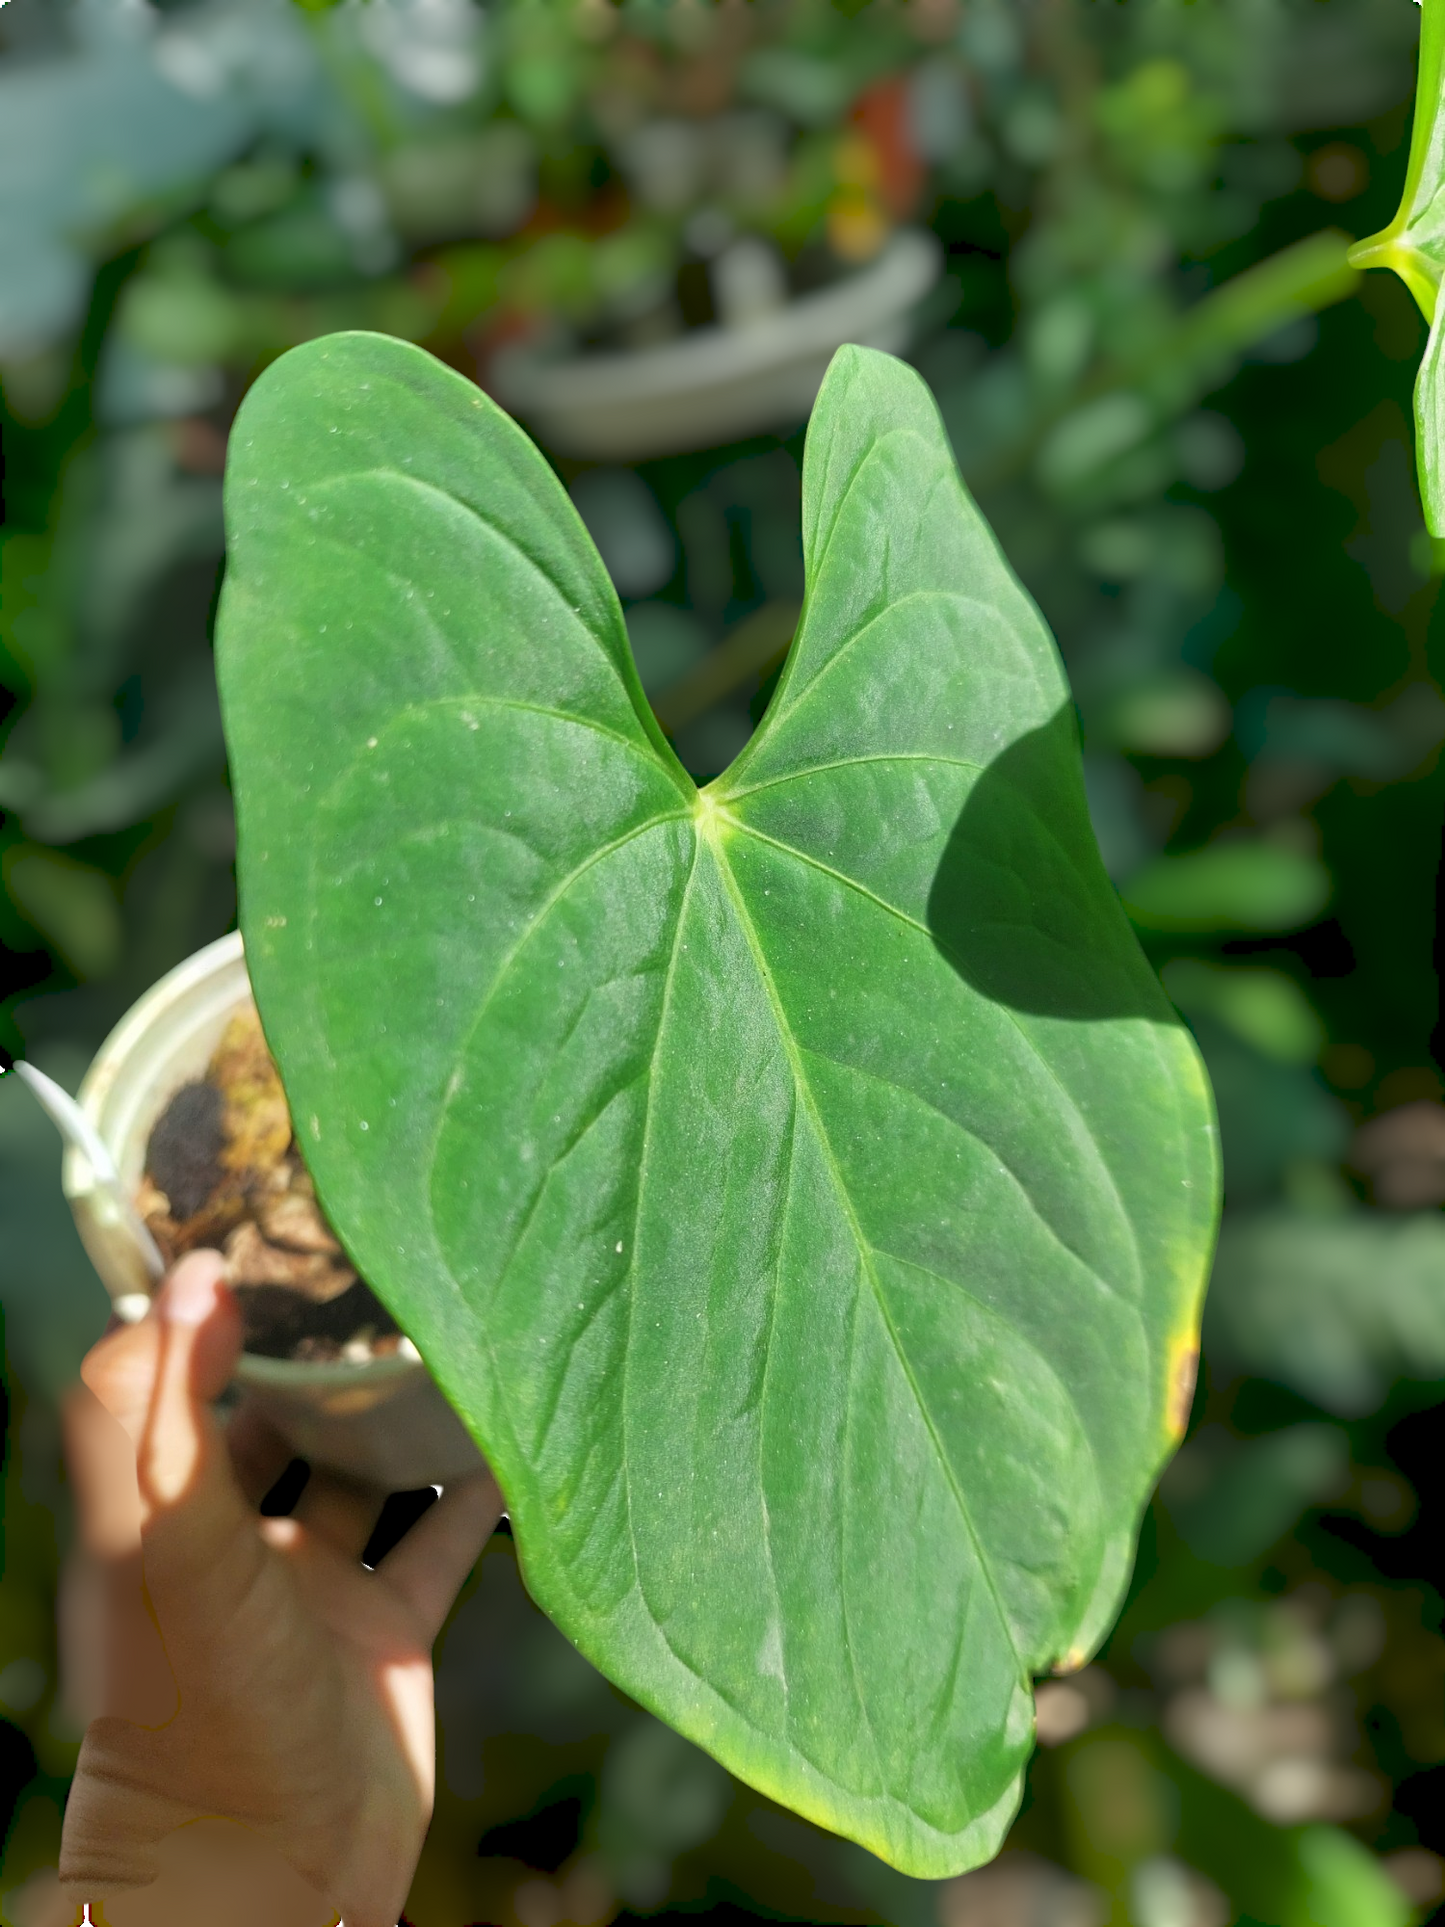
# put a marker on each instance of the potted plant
(367, 1410)
(1073, 1765)
(642, 231)
(800, 1187)
(755, 169)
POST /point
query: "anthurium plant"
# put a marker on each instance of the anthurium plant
(801, 1185)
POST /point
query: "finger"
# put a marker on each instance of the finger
(122, 1368)
(100, 1464)
(81, 1635)
(341, 1511)
(114, 1815)
(121, 1372)
(197, 1519)
(214, 1870)
(259, 1454)
(111, 1657)
(430, 1566)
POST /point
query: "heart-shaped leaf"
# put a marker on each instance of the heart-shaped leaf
(802, 1188)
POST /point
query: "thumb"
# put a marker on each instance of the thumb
(159, 1384)
(123, 1368)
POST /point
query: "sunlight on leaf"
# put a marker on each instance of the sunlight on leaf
(802, 1187)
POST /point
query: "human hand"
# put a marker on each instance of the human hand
(265, 1731)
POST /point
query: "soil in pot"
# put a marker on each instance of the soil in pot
(223, 1170)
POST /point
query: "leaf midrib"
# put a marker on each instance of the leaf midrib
(705, 831)
(706, 823)
(804, 1095)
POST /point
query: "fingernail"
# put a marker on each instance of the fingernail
(190, 1295)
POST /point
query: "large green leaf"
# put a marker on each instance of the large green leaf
(802, 1188)
(1414, 246)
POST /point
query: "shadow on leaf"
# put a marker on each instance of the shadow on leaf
(1021, 905)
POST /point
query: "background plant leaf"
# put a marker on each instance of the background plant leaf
(802, 1188)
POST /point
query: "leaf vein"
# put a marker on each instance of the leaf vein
(643, 1159)
(1030, 1344)
(552, 587)
(525, 936)
(806, 1099)
(906, 1090)
(841, 652)
(850, 762)
(844, 1566)
(1070, 1102)
(768, 1345)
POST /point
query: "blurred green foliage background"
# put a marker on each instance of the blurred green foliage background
(1189, 423)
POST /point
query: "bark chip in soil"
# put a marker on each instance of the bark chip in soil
(223, 1169)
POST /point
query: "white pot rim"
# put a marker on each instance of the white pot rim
(133, 1037)
(717, 367)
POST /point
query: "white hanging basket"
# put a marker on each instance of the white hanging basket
(716, 384)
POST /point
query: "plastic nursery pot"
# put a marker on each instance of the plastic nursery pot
(718, 383)
(383, 1420)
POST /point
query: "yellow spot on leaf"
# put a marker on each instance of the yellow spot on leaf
(1183, 1370)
